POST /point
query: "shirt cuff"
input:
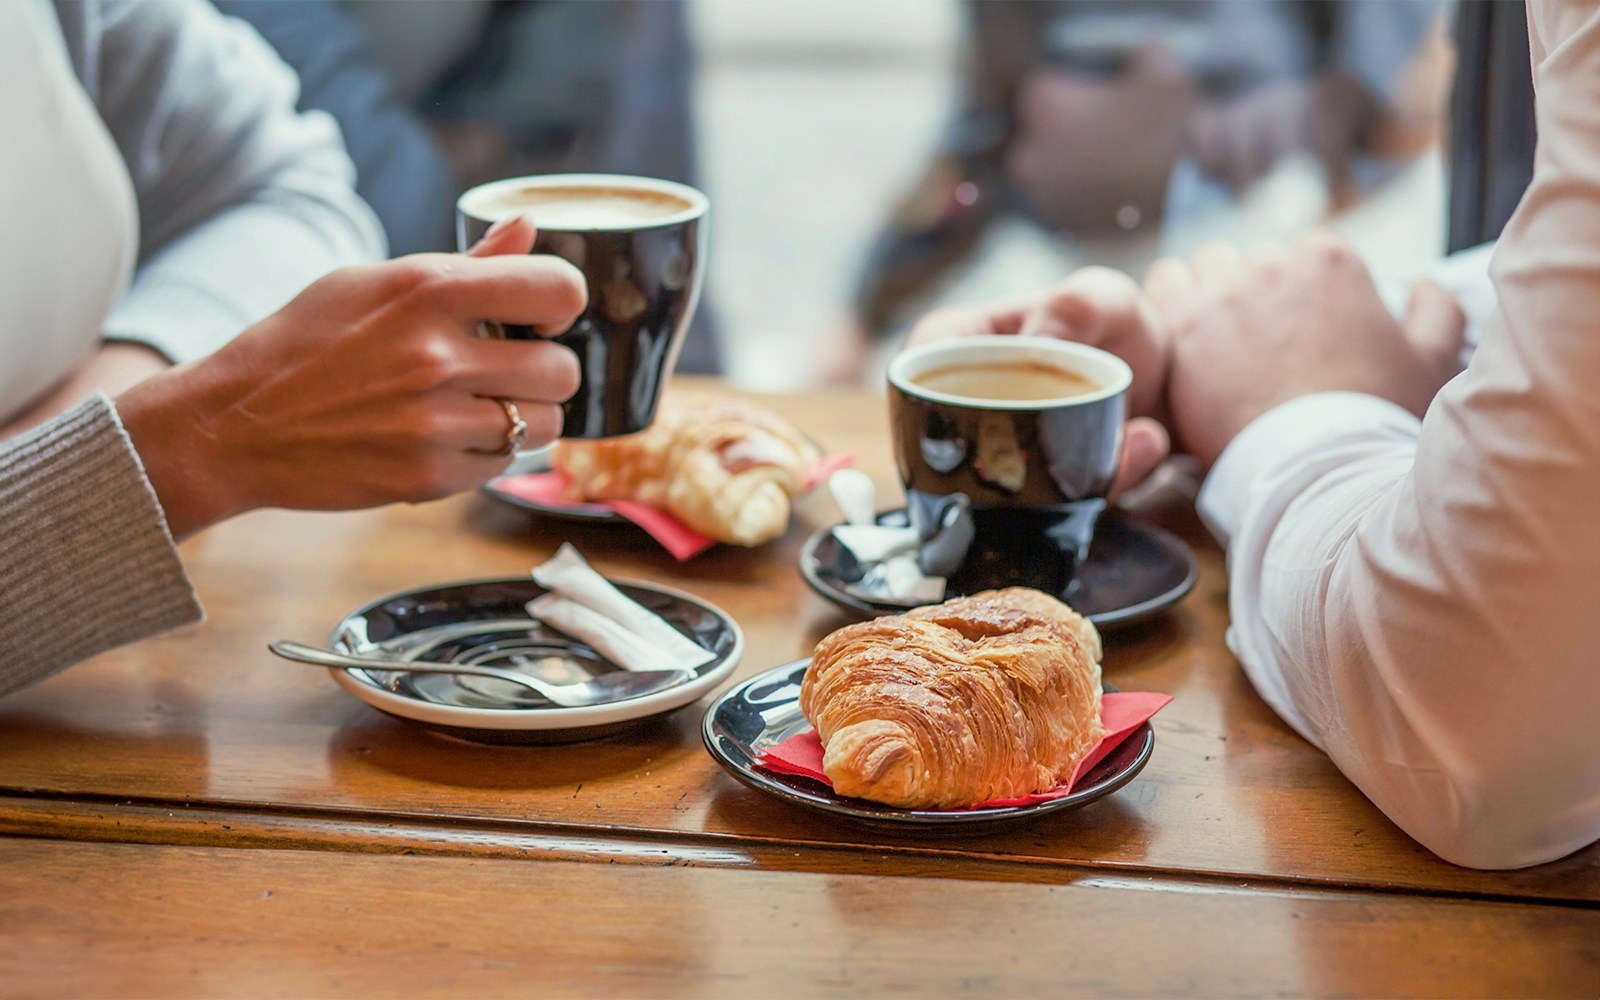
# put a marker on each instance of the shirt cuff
(1287, 433)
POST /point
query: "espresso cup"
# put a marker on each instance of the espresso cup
(640, 243)
(1006, 447)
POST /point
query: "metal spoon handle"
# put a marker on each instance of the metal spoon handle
(300, 652)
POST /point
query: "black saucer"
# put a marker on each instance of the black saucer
(743, 723)
(539, 461)
(1134, 570)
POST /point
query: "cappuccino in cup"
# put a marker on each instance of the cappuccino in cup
(577, 207)
(640, 243)
(1011, 442)
(1017, 381)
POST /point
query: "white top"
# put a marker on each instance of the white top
(1421, 599)
(68, 206)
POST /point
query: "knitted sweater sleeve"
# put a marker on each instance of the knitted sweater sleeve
(88, 561)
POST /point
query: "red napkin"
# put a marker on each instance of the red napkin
(547, 490)
(1121, 712)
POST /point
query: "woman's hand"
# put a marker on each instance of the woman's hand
(370, 386)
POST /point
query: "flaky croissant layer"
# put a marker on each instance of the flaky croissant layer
(725, 467)
(983, 697)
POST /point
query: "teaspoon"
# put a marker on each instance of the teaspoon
(615, 686)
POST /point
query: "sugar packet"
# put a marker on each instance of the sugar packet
(584, 605)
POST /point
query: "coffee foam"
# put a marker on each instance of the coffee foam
(580, 207)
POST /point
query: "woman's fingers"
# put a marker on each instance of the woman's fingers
(535, 370)
(544, 292)
(510, 235)
(433, 428)
(492, 429)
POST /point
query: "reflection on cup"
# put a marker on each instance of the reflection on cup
(640, 243)
(1006, 447)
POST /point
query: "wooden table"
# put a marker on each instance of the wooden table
(192, 817)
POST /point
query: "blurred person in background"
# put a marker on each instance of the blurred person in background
(1116, 126)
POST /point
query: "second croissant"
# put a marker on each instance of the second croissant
(990, 696)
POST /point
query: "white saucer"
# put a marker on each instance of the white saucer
(484, 622)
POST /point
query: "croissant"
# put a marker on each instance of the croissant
(723, 466)
(990, 696)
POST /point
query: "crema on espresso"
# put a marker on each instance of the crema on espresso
(580, 207)
(1006, 380)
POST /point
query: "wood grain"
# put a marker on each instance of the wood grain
(208, 718)
(180, 921)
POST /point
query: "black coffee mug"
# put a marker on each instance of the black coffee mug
(640, 243)
(1006, 491)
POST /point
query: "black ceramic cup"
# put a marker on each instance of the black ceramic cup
(1006, 447)
(640, 243)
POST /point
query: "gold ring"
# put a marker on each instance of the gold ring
(517, 433)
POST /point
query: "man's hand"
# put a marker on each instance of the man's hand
(370, 386)
(1251, 332)
(1095, 306)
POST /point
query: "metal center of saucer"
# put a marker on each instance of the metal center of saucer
(518, 648)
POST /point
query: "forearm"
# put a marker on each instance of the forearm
(1429, 613)
(1437, 649)
(88, 564)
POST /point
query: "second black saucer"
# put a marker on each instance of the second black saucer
(1134, 570)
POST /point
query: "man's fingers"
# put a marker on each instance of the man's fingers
(1145, 445)
(1214, 265)
(1170, 286)
(1066, 314)
(513, 234)
(1270, 257)
(1436, 326)
(950, 322)
(1084, 306)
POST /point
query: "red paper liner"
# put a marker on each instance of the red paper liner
(548, 489)
(1121, 712)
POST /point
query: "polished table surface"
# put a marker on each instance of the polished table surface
(192, 816)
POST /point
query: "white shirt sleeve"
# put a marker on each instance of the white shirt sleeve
(242, 200)
(1422, 599)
